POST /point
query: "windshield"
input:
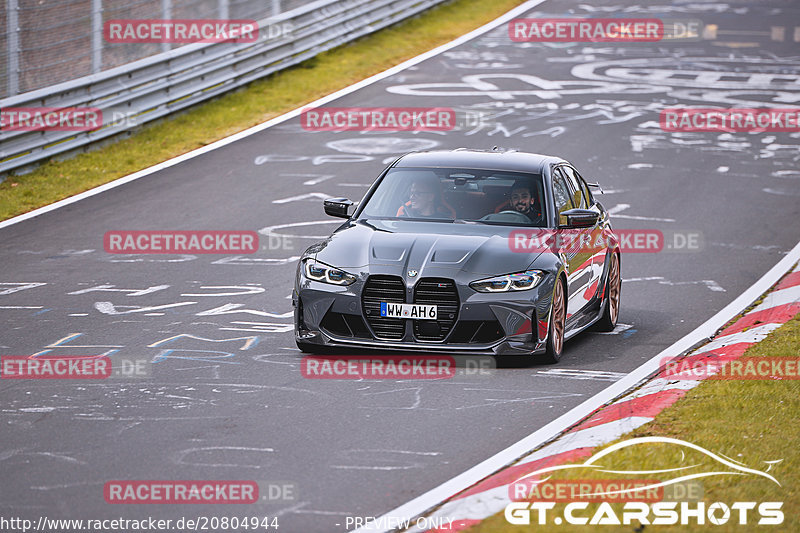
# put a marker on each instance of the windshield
(463, 195)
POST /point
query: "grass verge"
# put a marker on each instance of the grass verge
(746, 420)
(258, 102)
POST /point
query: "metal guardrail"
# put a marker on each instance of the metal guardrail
(156, 86)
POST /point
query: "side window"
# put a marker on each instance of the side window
(587, 193)
(561, 194)
(578, 198)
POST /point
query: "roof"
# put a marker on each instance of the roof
(479, 159)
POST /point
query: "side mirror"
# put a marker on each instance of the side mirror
(580, 218)
(338, 207)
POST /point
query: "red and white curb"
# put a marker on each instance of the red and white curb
(491, 495)
(634, 400)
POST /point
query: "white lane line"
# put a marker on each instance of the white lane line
(423, 503)
(653, 219)
(709, 283)
(619, 208)
(277, 120)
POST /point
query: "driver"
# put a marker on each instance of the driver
(425, 200)
(521, 201)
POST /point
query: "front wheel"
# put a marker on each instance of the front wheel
(558, 317)
(608, 321)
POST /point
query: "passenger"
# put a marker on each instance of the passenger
(425, 201)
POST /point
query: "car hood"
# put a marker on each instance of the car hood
(431, 248)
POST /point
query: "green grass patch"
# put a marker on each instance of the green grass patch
(239, 110)
(749, 421)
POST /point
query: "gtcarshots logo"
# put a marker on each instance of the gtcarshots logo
(585, 30)
(180, 242)
(640, 507)
(378, 119)
(730, 120)
(182, 31)
(50, 119)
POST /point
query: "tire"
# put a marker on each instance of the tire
(554, 347)
(608, 321)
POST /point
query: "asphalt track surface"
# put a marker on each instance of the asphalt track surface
(239, 408)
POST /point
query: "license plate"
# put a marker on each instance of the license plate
(412, 311)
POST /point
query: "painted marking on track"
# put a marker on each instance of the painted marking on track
(617, 330)
(309, 196)
(270, 230)
(617, 209)
(262, 327)
(16, 287)
(250, 261)
(248, 289)
(108, 308)
(230, 309)
(709, 283)
(569, 373)
(315, 178)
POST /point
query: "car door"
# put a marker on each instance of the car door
(577, 257)
(596, 243)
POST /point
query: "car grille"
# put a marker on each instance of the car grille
(379, 289)
(442, 293)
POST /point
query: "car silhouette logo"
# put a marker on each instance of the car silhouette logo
(412, 273)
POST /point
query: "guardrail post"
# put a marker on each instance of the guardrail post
(166, 14)
(97, 36)
(12, 25)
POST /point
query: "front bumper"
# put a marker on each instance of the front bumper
(486, 324)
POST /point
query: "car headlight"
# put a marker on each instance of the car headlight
(521, 281)
(327, 274)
